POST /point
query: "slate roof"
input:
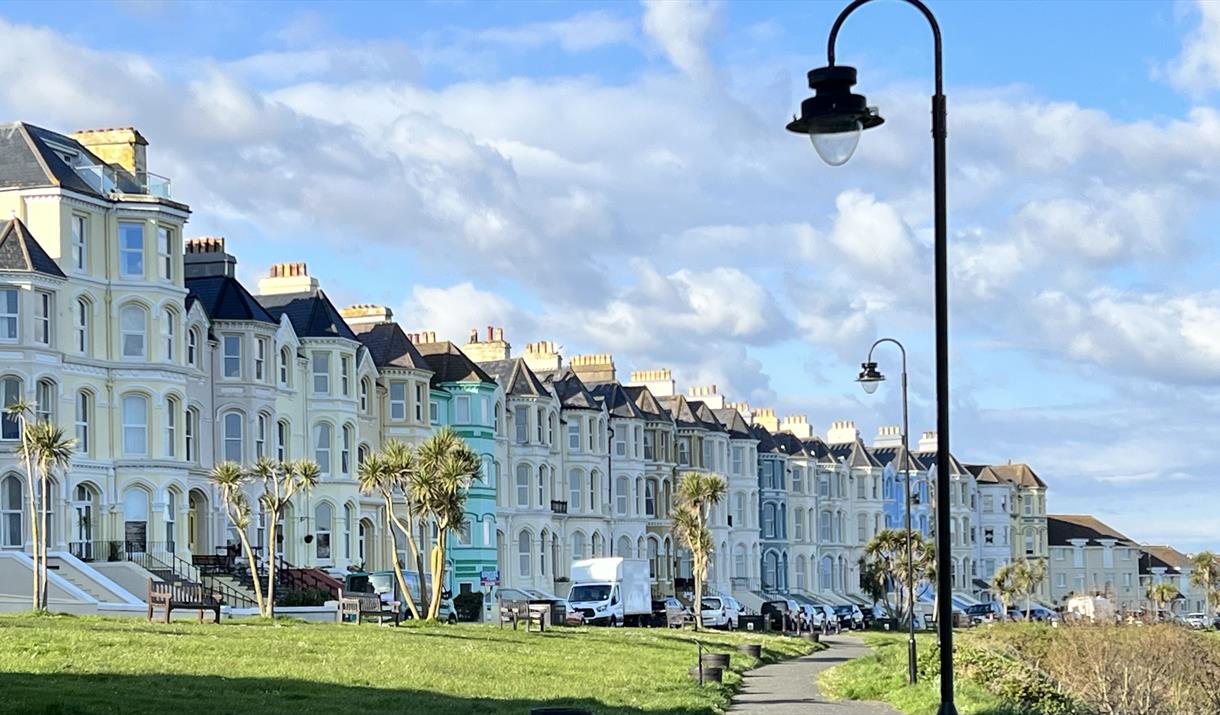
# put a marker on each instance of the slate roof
(617, 401)
(1018, 474)
(1061, 528)
(571, 390)
(312, 314)
(680, 412)
(225, 298)
(388, 346)
(789, 444)
(516, 378)
(955, 467)
(853, 454)
(766, 442)
(1165, 557)
(647, 402)
(899, 456)
(27, 161)
(449, 364)
(21, 252)
(733, 423)
(819, 449)
(706, 416)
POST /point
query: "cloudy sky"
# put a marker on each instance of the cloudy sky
(616, 177)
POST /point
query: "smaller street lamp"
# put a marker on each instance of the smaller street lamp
(869, 377)
(834, 116)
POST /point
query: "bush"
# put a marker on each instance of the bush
(469, 605)
(1010, 679)
(303, 597)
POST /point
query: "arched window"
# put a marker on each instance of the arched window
(84, 418)
(524, 554)
(523, 485)
(321, 446)
(285, 361)
(362, 455)
(541, 485)
(654, 566)
(597, 544)
(576, 489)
(770, 563)
(542, 554)
(349, 516)
(172, 409)
(84, 311)
(283, 433)
(768, 520)
(345, 450)
(10, 425)
(578, 545)
(233, 428)
(825, 574)
(191, 431)
(135, 426)
(739, 561)
(135, 519)
(364, 395)
(622, 493)
(323, 516)
(11, 511)
(800, 573)
(170, 333)
(650, 497)
(624, 547)
(133, 323)
(192, 347)
(44, 401)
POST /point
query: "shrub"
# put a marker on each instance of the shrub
(1009, 679)
(303, 597)
(468, 605)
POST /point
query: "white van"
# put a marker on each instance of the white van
(612, 591)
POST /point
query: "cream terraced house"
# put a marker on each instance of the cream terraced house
(1089, 558)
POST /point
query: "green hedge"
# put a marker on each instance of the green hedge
(1009, 679)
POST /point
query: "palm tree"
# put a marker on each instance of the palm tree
(447, 468)
(49, 449)
(20, 411)
(1034, 575)
(376, 476)
(1205, 574)
(281, 482)
(1161, 594)
(1006, 584)
(696, 494)
(404, 467)
(885, 563)
(231, 480)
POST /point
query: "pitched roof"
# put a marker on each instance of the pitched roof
(449, 364)
(680, 411)
(20, 251)
(900, 456)
(766, 442)
(388, 346)
(789, 444)
(570, 390)
(515, 377)
(312, 314)
(1162, 556)
(706, 416)
(647, 402)
(734, 423)
(617, 400)
(955, 467)
(854, 454)
(225, 298)
(819, 449)
(1062, 528)
(1018, 474)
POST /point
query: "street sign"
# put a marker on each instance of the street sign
(489, 577)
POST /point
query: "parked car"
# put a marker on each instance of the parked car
(1197, 621)
(1037, 613)
(850, 617)
(868, 614)
(815, 614)
(775, 613)
(668, 613)
(720, 612)
(981, 613)
(385, 584)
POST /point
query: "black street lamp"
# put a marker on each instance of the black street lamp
(834, 118)
(869, 380)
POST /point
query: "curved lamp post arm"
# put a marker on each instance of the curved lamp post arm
(834, 35)
(889, 340)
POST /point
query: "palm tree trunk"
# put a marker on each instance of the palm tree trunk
(31, 484)
(249, 552)
(42, 538)
(413, 546)
(438, 572)
(424, 596)
(391, 522)
(269, 605)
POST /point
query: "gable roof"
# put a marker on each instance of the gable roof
(706, 416)
(766, 443)
(449, 364)
(853, 454)
(1165, 557)
(1018, 474)
(516, 377)
(819, 449)
(225, 298)
(647, 402)
(312, 314)
(955, 467)
(1062, 528)
(790, 444)
(617, 400)
(388, 346)
(571, 390)
(733, 423)
(680, 412)
(900, 456)
(21, 252)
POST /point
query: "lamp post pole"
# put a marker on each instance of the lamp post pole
(906, 479)
(834, 118)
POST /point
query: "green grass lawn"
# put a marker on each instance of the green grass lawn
(64, 664)
(883, 676)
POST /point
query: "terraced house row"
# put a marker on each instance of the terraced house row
(147, 348)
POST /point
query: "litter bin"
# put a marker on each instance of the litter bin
(750, 623)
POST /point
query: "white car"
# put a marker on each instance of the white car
(817, 616)
(720, 612)
(1197, 620)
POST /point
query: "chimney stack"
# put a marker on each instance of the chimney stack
(708, 394)
(366, 314)
(927, 442)
(765, 417)
(888, 436)
(206, 257)
(288, 278)
(842, 432)
(743, 409)
(494, 348)
(123, 148)
(542, 356)
(593, 369)
(798, 426)
(659, 382)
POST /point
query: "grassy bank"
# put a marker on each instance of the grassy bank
(63, 664)
(883, 676)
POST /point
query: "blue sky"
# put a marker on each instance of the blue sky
(615, 177)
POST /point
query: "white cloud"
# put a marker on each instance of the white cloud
(451, 312)
(1196, 69)
(578, 33)
(681, 29)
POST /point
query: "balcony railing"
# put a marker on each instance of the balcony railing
(157, 185)
(559, 507)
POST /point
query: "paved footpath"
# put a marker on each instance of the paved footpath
(790, 686)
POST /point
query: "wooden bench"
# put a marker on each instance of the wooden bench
(531, 613)
(168, 596)
(353, 607)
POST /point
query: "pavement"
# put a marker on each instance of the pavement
(790, 686)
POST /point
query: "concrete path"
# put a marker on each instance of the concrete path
(791, 686)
